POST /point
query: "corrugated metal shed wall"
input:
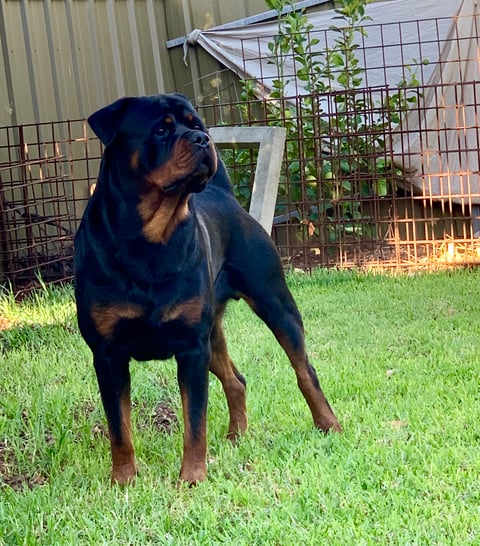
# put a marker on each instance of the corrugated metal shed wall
(64, 59)
(205, 76)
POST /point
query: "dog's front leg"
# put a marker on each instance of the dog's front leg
(193, 383)
(113, 377)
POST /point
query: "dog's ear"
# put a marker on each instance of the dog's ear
(106, 121)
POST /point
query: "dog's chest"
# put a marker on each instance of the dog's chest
(147, 331)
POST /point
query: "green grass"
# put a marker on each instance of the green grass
(398, 358)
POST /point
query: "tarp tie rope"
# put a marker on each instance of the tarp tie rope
(191, 39)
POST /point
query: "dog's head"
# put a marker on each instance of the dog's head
(158, 140)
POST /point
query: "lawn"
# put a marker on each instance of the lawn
(398, 358)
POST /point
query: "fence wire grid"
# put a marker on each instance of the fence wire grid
(362, 185)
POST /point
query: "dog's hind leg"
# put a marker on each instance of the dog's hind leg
(232, 381)
(280, 314)
(261, 282)
(114, 381)
(288, 330)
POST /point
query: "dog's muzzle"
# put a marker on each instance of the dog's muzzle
(205, 163)
(199, 138)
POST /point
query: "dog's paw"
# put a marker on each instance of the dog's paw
(124, 474)
(192, 475)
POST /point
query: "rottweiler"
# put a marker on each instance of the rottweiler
(161, 248)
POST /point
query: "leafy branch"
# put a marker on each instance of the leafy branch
(336, 153)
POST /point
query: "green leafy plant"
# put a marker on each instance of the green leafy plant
(336, 151)
(241, 177)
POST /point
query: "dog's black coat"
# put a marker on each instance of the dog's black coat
(162, 246)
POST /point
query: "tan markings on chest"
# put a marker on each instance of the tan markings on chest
(189, 311)
(161, 214)
(106, 317)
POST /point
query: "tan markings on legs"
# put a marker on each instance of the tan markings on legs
(105, 317)
(124, 468)
(161, 214)
(222, 366)
(189, 311)
(322, 413)
(194, 463)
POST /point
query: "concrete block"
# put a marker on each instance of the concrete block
(270, 142)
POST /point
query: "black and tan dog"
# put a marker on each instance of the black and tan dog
(161, 248)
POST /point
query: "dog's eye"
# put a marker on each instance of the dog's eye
(195, 125)
(162, 132)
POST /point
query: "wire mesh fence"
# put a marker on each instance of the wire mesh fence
(382, 176)
(369, 195)
(381, 161)
(45, 174)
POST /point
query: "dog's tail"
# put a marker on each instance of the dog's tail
(221, 178)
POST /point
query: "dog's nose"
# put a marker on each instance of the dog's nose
(199, 138)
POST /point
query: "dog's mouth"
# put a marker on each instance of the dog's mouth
(194, 182)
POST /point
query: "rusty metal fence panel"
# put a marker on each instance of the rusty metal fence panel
(329, 212)
(46, 171)
(373, 219)
(366, 184)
